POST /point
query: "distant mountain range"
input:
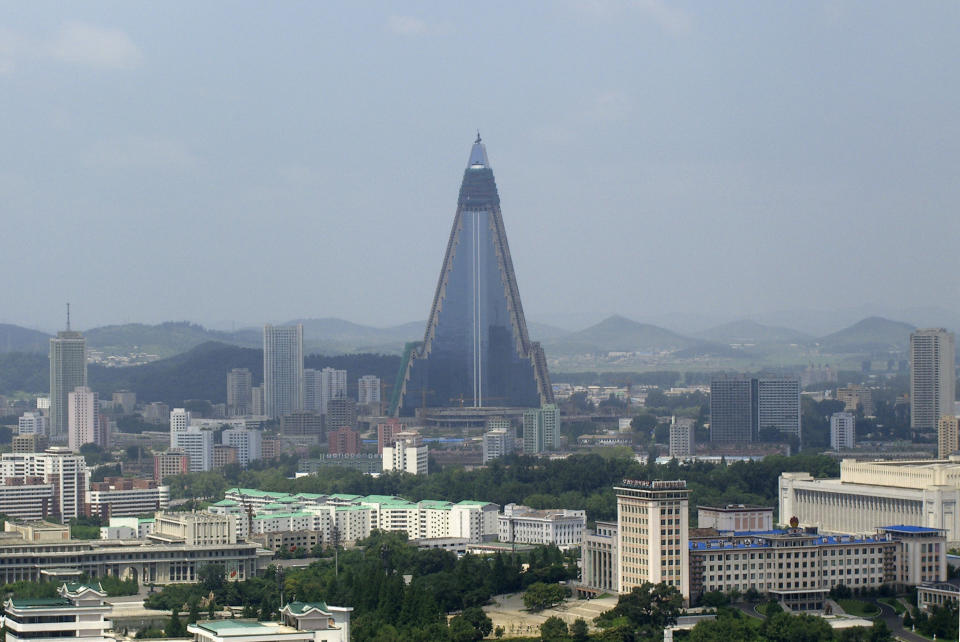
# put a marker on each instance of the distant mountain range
(334, 336)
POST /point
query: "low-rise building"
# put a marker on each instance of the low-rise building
(735, 517)
(301, 622)
(27, 498)
(121, 497)
(525, 525)
(78, 613)
(194, 529)
(599, 555)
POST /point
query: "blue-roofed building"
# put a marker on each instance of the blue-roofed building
(799, 566)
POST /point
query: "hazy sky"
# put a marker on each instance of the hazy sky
(243, 162)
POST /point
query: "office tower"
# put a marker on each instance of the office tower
(239, 396)
(125, 401)
(652, 535)
(282, 369)
(197, 445)
(343, 441)
(948, 436)
(856, 397)
(179, 421)
(476, 351)
(341, 412)
(932, 378)
(778, 405)
(368, 390)
(333, 385)
(741, 407)
(731, 410)
(302, 424)
(386, 432)
(33, 423)
(408, 454)
(83, 414)
(247, 442)
(68, 370)
(312, 390)
(681, 437)
(842, 430)
(256, 401)
(541, 429)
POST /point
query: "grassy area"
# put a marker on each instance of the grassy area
(859, 608)
(895, 603)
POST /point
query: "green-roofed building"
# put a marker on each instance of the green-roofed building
(78, 612)
(300, 622)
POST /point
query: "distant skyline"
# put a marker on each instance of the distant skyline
(683, 164)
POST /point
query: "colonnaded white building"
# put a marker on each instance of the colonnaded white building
(870, 494)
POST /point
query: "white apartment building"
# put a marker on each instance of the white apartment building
(83, 418)
(368, 390)
(197, 445)
(179, 422)
(681, 437)
(79, 613)
(871, 494)
(652, 536)
(356, 516)
(29, 501)
(932, 377)
(33, 423)
(541, 429)
(249, 444)
(525, 525)
(497, 443)
(66, 471)
(407, 454)
(127, 497)
(842, 430)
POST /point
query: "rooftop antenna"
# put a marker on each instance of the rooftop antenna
(478, 137)
(68, 317)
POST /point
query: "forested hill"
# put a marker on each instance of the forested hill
(200, 373)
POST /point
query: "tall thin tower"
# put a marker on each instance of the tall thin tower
(68, 370)
(476, 351)
(282, 369)
(932, 377)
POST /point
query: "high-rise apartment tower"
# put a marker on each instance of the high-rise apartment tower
(282, 369)
(932, 377)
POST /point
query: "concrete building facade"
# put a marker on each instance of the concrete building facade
(843, 427)
(282, 369)
(932, 377)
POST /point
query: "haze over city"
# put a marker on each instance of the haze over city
(682, 163)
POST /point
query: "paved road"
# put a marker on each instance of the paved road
(895, 623)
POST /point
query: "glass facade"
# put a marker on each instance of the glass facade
(476, 351)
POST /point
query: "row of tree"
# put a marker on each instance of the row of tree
(583, 482)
